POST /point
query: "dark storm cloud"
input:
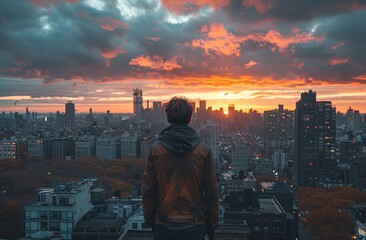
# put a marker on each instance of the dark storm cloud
(310, 9)
(59, 40)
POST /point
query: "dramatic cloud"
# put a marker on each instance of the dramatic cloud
(156, 63)
(217, 40)
(191, 6)
(66, 48)
(250, 64)
(261, 6)
(336, 61)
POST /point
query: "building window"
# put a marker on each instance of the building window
(63, 201)
(34, 226)
(134, 225)
(54, 226)
(44, 226)
(34, 214)
(44, 215)
(63, 215)
(69, 215)
(27, 226)
(27, 214)
(54, 201)
(54, 215)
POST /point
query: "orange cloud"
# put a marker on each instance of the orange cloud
(361, 77)
(112, 53)
(261, 6)
(110, 24)
(250, 64)
(217, 40)
(337, 61)
(156, 62)
(185, 6)
(280, 42)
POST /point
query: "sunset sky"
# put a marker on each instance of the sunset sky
(251, 53)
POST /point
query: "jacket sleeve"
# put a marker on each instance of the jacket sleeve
(149, 190)
(211, 195)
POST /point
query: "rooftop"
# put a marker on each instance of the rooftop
(69, 187)
(270, 205)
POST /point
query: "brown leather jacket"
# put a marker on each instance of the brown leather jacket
(180, 188)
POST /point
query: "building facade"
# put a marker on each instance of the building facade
(315, 140)
(85, 147)
(278, 127)
(137, 103)
(209, 134)
(8, 148)
(58, 208)
(129, 145)
(240, 156)
(70, 115)
(108, 146)
(35, 146)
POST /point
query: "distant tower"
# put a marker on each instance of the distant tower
(137, 102)
(70, 115)
(315, 140)
(201, 112)
(27, 114)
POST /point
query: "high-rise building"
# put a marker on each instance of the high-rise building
(350, 149)
(70, 115)
(315, 138)
(129, 145)
(209, 134)
(8, 148)
(201, 116)
(137, 103)
(158, 114)
(85, 147)
(63, 148)
(240, 156)
(231, 113)
(90, 117)
(108, 146)
(35, 146)
(278, 127)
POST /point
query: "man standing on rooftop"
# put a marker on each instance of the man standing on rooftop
(180, 193)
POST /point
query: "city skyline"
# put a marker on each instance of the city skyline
(148, 104)
(255, 54)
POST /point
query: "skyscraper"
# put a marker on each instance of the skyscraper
(137, 102)
(315, 138)
(70, 115)
(209, 134)
(278, 126)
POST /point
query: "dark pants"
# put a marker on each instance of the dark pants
(165, 233)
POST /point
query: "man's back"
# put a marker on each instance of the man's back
(180, 194)
(184, 184)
